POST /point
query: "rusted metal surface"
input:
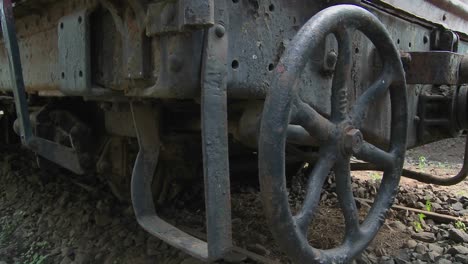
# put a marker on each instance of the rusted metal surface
(65, 156)
(74, 53)
(147, 128)
(435, 67)
(339, 134)
(204, 52)
(214, 121)
(450, 14)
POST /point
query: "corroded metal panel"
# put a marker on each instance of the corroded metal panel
(74, 53)
(451, 14)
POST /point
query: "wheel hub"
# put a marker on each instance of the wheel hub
(352, 141)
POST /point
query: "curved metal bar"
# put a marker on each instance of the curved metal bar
(341, 76)
(316, 180)
(421, 176)
(145, 120)
(313, 122)
(375, 155)
(344, 191)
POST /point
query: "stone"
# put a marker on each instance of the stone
(399, 226)
(430, 257)
(191, 261)
(458, 236)
(436, 249)
(411, 243)
(234, 257)
(66, 260)
(386, 260)
(462, 258)
(424, 237)
(457, 250)
(102, 219)
(420, 205)
(421, 249)
(436, 206)
(82, 258)
(402, 255)
(366, 258)
(401, 261)
(443, 261)
(259, 249)
(151, 247)
(457, 206)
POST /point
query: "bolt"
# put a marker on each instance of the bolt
(353, 141)
(330, 61)
(220, 31)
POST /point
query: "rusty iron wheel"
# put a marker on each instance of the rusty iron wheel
(339, 136)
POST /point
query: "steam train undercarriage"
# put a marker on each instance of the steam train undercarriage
(139, 91)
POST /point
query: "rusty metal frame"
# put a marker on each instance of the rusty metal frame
(215, 157)
(65, 156)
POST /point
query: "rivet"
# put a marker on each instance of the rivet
(220, 31)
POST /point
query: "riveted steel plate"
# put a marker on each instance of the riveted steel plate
(74, 53)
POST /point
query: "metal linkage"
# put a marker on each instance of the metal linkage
(339, 136)
(421, 176)
(65, 156)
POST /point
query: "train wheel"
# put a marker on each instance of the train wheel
(339, 135)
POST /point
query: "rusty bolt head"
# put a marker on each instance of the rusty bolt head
(353, 140)
(220, 31)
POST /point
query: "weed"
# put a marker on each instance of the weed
(428, 205)
(421, 217)
(376, 177)
(460, 225)
(462, 193)
(422, 164)
(418, 226)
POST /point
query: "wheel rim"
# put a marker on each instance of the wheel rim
(340, 136)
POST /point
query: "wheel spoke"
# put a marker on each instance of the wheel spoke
(374, 92)
(314, 189)
(375, 155)
(339, 98)
(346, 197)
(318, 126)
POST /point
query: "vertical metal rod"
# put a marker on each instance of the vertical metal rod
(215, 138)
(16, 71)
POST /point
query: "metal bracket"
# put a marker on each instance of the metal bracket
(146, 121)
(435, 67)
(74, 53)
(65, 156)
(215, 157)
(166, 17)
(215, 135)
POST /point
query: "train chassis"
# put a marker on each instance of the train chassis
(330, 80)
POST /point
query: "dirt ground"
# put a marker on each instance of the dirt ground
(66, 219)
